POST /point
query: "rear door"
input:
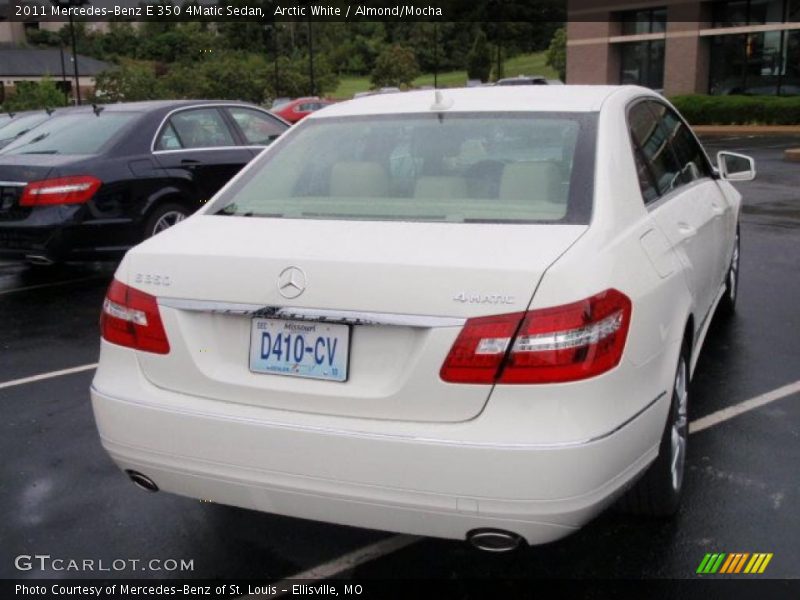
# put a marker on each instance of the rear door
(681, 199)
(695, 166)
(197, 144)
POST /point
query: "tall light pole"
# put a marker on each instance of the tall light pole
(63, 74)
(70, 4)
(274, 42)
(435, 55)
(311, 58)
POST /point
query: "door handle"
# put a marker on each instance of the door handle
(717, 209)
(686, 230)
(190, 162)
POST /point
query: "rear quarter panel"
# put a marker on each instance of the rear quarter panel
(611, 255)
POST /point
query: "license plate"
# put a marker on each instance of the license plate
(300, 348)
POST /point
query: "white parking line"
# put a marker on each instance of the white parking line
(44, 285)
(50, 375)
(737, 409)
(344, 562)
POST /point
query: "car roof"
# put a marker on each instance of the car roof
(153, 105)
(535, 98)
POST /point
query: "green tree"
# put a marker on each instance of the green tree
(131, 81)
(294, 80)
(479, 59)
(557, 53)
(121, 40)
(186, 42)
(396, 66)
(223, 75)
(247, 35)
(42, 37)
(32, 95)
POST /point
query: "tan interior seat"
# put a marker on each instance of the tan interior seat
(441, 187)
(359, 179)
(538, 181)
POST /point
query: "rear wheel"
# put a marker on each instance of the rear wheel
(164, 217)
(658, 492)
(727, 305)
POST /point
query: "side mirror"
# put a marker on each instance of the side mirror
(735, 167)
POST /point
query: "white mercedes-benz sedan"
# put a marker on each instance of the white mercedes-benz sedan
(469, 313)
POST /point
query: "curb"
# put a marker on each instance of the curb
(792, 154)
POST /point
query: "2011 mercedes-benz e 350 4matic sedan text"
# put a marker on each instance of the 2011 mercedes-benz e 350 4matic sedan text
(469, 314)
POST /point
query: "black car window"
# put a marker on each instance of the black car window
(646, 181)
(196, 128)
(72, 133)
(691, 158)
(169, 140)
(651, 141)
(258, 128)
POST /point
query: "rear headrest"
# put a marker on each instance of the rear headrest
(441, 187)
(536, 181)
(358, 179)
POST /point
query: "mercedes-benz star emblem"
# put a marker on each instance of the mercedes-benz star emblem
(291, 282)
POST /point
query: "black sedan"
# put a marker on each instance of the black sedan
(93, 181)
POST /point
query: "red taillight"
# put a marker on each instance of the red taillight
(550, 345)
(131, 318)
(61, 190)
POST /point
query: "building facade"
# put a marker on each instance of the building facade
(687, 46)
(19, 65)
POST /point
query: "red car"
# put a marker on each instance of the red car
(298, 108)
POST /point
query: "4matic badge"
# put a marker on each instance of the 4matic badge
(475, 298)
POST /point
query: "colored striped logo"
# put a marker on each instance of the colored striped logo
(737, 562)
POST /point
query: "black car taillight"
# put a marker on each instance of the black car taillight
(60, 190)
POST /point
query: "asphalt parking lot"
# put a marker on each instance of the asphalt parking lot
(62, 496)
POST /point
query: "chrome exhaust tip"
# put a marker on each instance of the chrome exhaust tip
(494, 540)
(142, 481)
(38, 259)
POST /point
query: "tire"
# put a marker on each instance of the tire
(163, 217)
(658, 492)
(727, 304)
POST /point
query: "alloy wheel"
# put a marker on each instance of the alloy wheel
(733, 280)
(167, 220)
(679, 431)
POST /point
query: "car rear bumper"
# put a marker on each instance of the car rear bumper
(60, 236)
(339, 470)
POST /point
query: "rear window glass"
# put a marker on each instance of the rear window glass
(20, 125)
(506, 167)
(74, 133)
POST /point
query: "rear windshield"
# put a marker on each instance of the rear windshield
(458, 167)
(74, 133)
(20, 125)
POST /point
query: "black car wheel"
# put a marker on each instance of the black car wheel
(658, 492)
(164, 217)
(727, 305)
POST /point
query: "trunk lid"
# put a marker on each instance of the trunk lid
(417, 281)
